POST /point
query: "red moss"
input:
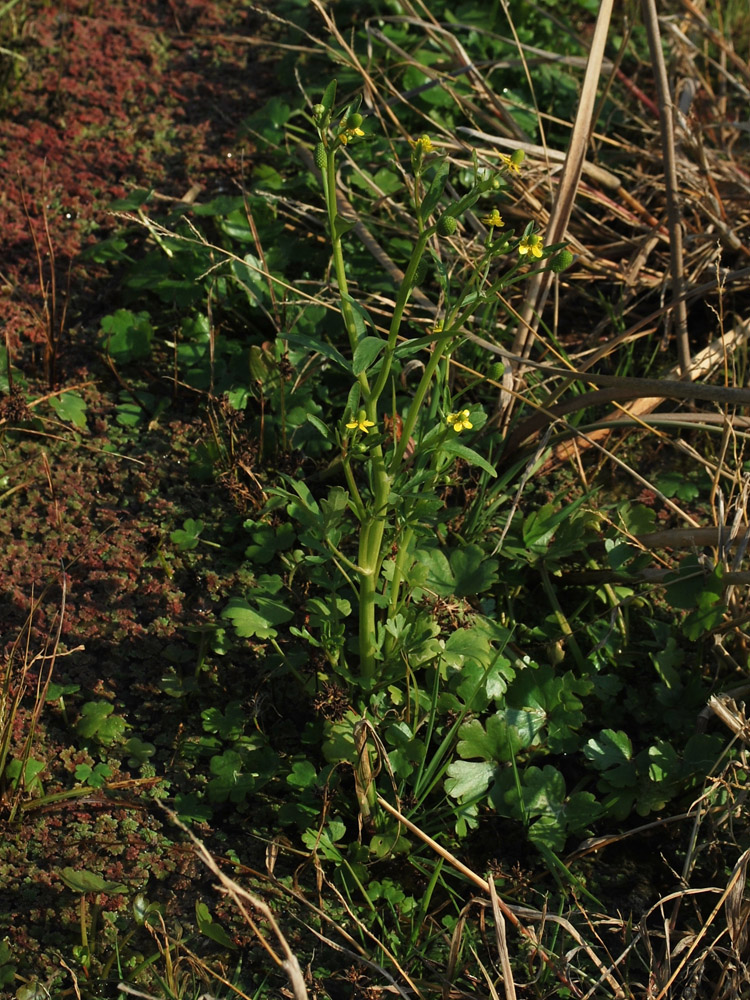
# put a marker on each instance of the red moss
(79, 127)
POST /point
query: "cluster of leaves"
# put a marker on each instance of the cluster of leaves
(517, 714)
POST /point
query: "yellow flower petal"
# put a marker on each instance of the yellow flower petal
(494, 219)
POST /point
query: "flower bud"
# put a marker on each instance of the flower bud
(446, 225)
(320, 114)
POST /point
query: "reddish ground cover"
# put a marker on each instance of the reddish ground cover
(109, 96)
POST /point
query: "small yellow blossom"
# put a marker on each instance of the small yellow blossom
(511, 165)
(423, 145)
(531, 245)
(360, 423)
(459, 421)
(493, 220)
(348, 134)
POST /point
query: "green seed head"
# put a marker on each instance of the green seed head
(421, 273)
(517, 157)
(355, 120)
(446, 225)
(321, 159)
(495, 372)
(561, 261)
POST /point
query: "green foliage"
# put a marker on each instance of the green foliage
(364, 568)
(71, 407)
(127, 336)
(98, 722)
(7, 964)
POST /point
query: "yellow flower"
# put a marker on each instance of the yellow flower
(531, 245)
(423, 145)
(493, 220)
(360, 423)
(348, 134)
(510, 164)
(459, 421)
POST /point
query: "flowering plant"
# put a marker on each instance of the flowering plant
(386, 474)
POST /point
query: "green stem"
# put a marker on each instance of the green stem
(398, 570)
(424, 383)
(370, 562)
(562, 621)
(398, 312)
(347, 310)
(353, 490)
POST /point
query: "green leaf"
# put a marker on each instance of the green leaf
(269, 121)
(209, 929)
(611, 749)
(435, 190)
(540, 526)
(97, 722)
(342, 226)
(439, 575)
(250, 274)
(191, 808)
(140, 752)
(85, 881)
(70, 406)
(237, 775)
(366, 352)
(663, 762)
(7, 964)
(257, 621)
(229, 724)
(468, 779)
(303, 775)
(329, 96)
(499, 742)
(472, 570)
(384, 844)
(96, 776)
(685, 586)
(318, 425)
(31, 771)
(128, 335)
(186, 538)
(313, 345)
(454, 447)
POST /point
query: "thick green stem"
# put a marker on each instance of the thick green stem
(370, 562)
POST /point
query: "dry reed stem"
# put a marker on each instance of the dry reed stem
(513, 913)
(729, 893)
(666, 124)
(502, 941)
(240, 896)
(704, 363)
(539, 285)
